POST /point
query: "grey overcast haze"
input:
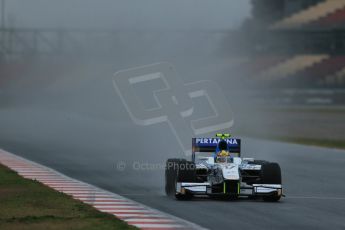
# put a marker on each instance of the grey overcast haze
(128, 14)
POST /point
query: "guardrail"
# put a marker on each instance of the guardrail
(21, 42)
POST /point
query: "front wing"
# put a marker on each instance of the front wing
(242, 190)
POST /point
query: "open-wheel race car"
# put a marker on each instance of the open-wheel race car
(217, 170)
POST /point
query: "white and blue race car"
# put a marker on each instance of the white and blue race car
(217, 170)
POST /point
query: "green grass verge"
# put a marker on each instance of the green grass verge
(27, 204)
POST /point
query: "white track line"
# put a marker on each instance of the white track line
(133, 213)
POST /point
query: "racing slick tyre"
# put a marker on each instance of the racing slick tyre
(178, 170)
(271, 174)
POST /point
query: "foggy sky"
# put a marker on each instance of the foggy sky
(128, 14)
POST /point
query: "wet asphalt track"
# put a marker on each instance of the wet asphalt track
(90, 149)
(76, 124)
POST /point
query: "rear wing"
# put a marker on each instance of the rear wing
(210, 145)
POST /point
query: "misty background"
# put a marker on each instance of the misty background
(128, 14)
(58, 104)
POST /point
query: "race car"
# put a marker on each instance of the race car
(217, 170)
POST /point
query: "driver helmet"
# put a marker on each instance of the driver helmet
(222, 156)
